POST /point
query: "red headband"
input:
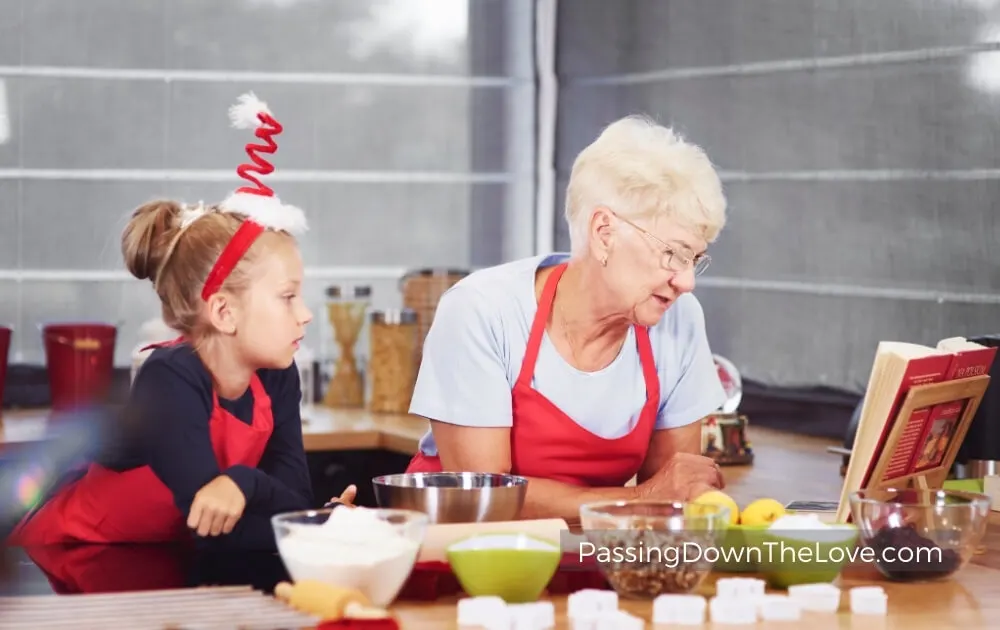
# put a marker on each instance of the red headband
(258, 202)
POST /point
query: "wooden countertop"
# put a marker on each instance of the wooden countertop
(323, 429)
(326, 429)
(970, 599)
(787, 467)
(790, 467)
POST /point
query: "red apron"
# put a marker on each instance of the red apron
(548, 444)
(134, 506)
(110, 568)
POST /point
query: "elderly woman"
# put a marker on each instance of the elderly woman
(581, 371)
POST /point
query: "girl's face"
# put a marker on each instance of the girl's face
(274, 315)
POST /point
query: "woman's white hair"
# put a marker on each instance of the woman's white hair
(639, 169)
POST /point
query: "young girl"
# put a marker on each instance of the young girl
(215, 446)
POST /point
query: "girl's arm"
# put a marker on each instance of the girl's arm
(174, 407)
(280, 483)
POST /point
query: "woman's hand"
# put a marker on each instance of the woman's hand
(684, 477)
(216, 507)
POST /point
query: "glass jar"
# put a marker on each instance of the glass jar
(363, 294)
(347, 316)
(327, 347)
(392, 367)
(307, 379)
(422, 290)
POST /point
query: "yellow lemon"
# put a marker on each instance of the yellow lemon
(762, 512)
(716, 498)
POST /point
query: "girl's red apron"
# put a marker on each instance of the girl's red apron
(72, 569)
(548, 444)
(105, 506)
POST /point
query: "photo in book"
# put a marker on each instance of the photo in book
(916, 411)
(724, 439)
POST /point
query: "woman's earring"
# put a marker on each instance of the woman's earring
(604, 261)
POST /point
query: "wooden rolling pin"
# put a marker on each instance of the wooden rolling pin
(440, 536)
(328, 602)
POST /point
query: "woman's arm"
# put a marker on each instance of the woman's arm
(695, 392)
(665, 444)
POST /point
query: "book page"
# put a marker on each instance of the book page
(906, 447)
(956, 344)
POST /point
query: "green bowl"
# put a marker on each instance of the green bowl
(789, 557)
(738, 551)
(964, 485)
(515, 567)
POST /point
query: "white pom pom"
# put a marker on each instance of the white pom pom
(268, 212)
(243, 115)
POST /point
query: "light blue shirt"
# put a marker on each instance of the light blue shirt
(473, 351)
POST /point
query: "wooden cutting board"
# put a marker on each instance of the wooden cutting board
(439, 536)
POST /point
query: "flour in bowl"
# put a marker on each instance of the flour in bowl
(354, 548)
(810, 528)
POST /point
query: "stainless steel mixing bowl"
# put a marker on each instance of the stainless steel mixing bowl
(454, 497)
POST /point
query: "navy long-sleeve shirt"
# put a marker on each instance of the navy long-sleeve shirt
(166, 422)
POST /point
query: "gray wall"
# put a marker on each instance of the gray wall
(858, 142)
(408, 138)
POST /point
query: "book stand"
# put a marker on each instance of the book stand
(968, 390)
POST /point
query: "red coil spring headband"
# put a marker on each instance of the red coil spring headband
(258, 202)
(266, 132)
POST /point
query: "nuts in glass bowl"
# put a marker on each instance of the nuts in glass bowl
(648, 548)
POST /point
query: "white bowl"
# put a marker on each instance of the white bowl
(371, 550)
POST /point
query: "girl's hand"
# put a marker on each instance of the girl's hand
(347, 498)
(216, 507)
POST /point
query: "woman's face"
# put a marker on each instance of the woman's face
(652, 264)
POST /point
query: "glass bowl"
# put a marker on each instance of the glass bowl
(647, 548)
(371, 550)
(917, 535)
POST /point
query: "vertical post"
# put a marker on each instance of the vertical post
(546, 19)
(521, 107)
(486, 218)
(502, 220)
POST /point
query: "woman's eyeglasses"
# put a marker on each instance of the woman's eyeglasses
(673, 260)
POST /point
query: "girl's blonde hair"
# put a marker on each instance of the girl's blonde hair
(157, 246)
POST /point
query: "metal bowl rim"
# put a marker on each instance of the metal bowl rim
(388, 481)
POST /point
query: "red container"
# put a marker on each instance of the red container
(4, 352)
(80, 361)
(432, 580)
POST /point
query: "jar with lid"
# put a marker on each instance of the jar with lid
(392, 364)
(346, 315)
(422, 290)
(327, 348)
